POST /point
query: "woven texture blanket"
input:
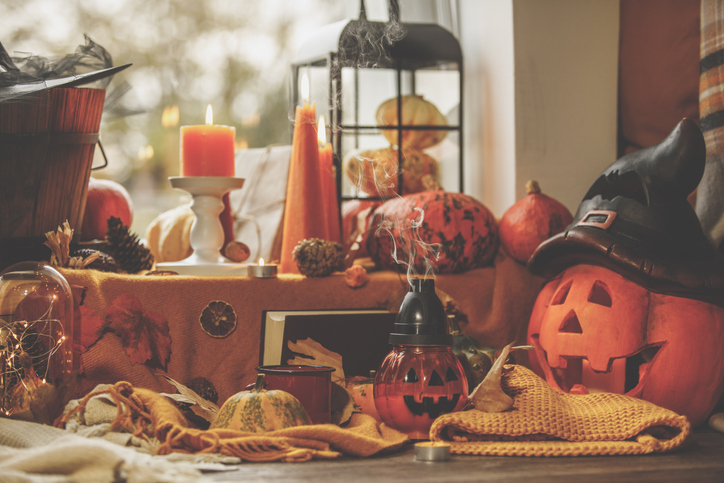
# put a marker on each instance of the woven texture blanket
(146, 414)
(546, 422)
(36, 453)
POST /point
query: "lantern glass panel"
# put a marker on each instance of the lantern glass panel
(359, 148)
(442, 88)
(368, 89)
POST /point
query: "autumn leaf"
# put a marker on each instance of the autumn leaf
(92, 326)
(144, 335)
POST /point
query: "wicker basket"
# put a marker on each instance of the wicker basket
(47, 141)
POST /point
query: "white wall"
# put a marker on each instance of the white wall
(540, 95)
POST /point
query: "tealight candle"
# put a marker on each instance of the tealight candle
(207, 150)
(432, 451)
(262, 270)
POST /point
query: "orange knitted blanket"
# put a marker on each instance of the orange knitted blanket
(145, 413)
(546, 422)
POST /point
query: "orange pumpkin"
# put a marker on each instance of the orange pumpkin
(376, 171)
(362, 392)
(416, 111)
(595, 330)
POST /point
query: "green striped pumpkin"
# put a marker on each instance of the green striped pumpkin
(259, 411)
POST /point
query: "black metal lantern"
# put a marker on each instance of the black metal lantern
(355, 66)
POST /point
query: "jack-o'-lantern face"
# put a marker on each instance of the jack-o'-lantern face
(594, 330)
(414, 386)
(435, 399)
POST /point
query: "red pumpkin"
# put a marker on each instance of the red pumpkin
(461, 228)
(106, 198)
(531, 221)
(595, 330)
(415, 385)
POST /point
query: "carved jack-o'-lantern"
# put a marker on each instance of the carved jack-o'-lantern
(595, 330)
(421, 378)
(636, 304)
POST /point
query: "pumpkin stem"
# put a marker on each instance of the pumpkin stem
(532, 187)
(259, 384)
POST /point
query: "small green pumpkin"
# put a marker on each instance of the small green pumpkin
(259, 410)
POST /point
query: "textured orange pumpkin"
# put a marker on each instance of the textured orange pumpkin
(106, 198)
(260, 411)
(531, 221)
(595, 330)
(411, 227)
(416, 111)
(376, 171)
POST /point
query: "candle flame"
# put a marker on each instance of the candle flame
(261, 261)
(321, 131)
(209, 115)
(305, 88)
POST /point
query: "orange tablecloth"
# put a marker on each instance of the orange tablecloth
(496, 300)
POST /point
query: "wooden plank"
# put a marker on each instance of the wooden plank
(700, 459)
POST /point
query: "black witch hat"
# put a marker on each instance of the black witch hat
(636, 220)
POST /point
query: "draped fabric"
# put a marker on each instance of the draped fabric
(710, 194)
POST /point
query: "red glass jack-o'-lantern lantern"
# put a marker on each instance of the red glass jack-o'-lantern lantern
(636, 304)
(421, 378)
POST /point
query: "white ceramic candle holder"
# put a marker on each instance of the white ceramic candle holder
(207, 234)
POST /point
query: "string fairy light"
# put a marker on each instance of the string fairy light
(24, 346)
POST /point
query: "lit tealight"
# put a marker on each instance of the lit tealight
(263, 270)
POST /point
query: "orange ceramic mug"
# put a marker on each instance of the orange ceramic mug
(312, 385)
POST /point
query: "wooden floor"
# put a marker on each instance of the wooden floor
(701, 459)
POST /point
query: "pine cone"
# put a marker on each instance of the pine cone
(318, 258)
(130, 254)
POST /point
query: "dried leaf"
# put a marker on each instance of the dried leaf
(90, 259)
(92, 326)
(488, 396)
(319, 356)
(201, 407)
(59, 243)
(144, 335)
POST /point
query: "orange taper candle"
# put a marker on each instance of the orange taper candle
(304, 215)
(329, 185)
(207, 150)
